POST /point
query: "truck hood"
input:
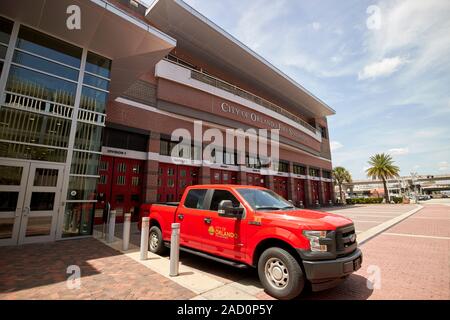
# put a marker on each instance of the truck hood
(308, 219)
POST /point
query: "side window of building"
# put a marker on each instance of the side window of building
(125, 140)
(283, 166)
(195, 199)
(220, 195)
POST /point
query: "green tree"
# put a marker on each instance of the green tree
(341, 176)
(383, 168)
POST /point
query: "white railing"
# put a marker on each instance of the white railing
(39, 105)
(221, 84)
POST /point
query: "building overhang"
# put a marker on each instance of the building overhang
(209, 42)
(133, 45)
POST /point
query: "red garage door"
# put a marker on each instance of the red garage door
(173, 180)
(223, 176)
(280, 186)
(254, 179)
(315, 192)
(327, 191)
(300, 190)
(120, 184)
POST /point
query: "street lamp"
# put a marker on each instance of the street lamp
(414, 179)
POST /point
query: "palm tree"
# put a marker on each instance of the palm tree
(341, 176)
(382, 167)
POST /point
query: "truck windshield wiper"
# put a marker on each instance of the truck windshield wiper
(268, 208)
(288, 207)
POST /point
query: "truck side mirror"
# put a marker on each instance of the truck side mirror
(226, 209)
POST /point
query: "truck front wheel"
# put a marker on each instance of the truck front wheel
(155, 241)
(280, 274)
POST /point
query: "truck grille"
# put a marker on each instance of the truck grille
(345, 240)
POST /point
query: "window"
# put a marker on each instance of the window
(220, 195)
(195, 199)
(121, 180)
(314, 172)
(120, 198)
(103, 179)
(125, 140)
(135, 197)
(323, 132)
(122, 167)
(170, 183)
(49, 47)
(136, 168)
(103, 165)
(283, 167)
(298, 169)
(326, 174)
(135, 181)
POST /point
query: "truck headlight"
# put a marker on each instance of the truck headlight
(314, 240)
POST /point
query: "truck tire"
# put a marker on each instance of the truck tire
(280, 274)
(155, 241)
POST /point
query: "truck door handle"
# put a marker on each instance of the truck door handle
(180, 217)
(207, 220)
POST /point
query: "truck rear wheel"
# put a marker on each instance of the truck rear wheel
(280, 274)
(155, 241)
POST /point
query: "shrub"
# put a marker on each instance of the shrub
(397, 199)
(364, 200)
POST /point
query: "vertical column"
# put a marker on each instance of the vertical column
(205, 175)
(292, 186)
(242, 176)
(269, 182)
(151, 169)
(308, 187)
(322, 187)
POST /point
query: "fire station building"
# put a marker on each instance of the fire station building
(87, 113)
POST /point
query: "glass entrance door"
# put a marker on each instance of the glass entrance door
(29, 201)
(13, 179)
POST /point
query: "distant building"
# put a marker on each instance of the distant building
(422, 184)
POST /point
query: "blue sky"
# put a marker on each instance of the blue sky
(388, 79)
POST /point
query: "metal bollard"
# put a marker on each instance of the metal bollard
(174, 250)
(126, 231)
(112, 226)
(144, 237)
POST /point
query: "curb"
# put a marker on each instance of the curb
(373, 232)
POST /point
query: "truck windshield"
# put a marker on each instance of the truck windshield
(264, 199)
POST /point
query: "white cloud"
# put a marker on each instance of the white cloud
(385, 67)
(444, 166)
(316, 26)
(335, 145)
(398, 151)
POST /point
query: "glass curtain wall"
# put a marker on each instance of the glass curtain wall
(39, 108)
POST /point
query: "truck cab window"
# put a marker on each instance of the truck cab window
(220, 195)
(195, 199)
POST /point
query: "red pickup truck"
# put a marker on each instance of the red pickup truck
(252, 226)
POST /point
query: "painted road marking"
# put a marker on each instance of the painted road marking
(415, 236)
(369, 234)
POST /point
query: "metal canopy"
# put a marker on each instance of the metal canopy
(134, 46)
(196, 34)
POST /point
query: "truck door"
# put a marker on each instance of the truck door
(190, 215)
(222, 234)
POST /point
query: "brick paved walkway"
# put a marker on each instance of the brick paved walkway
(38, 271)
(413, 257)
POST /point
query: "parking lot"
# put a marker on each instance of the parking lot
(409, 260)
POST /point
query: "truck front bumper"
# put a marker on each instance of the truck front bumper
(328, 273)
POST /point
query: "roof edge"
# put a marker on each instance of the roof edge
(231, 38)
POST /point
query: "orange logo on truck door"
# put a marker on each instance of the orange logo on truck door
(221, 232)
